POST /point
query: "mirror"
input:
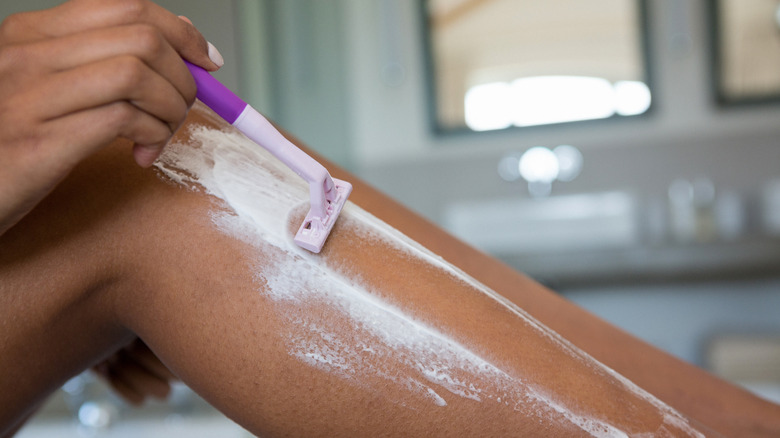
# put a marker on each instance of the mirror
(498, 64)
(746, 36)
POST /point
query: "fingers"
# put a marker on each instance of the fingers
(119, 386)
(90, 85)
(136, 373)
(78, 16)
(144, 356)
(88, 130)
(82, 73)
(139, 40)
(123, 78)
(75, 77)
(105, 100)
(134, 383)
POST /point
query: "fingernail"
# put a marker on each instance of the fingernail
(145, 155)
(215, 56)
(185, 19)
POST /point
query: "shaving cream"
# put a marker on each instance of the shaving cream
(378, 340)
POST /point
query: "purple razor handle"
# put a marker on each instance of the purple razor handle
(328, 195)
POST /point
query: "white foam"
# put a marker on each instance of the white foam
(339, 326)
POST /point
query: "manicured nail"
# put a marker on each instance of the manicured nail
(215, 56)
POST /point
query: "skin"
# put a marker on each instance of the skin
(87, 284)
(703, 397)
(725, 408)
(75, 77)
(76, 289)
(112, 254)
(72, 79)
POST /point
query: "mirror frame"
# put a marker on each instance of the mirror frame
(716, 64)
(431, 96)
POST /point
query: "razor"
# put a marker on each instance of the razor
(327, 195)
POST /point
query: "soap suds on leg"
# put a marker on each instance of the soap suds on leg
(379, 340)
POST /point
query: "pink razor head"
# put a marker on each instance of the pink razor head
(327, 195)
(317, 225)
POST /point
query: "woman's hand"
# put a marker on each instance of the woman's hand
(135, 373)
(75, 77)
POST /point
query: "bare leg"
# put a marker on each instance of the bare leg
(289, 350)
(726, 408)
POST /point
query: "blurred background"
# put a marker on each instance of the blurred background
(626, 153)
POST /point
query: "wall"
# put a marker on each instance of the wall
(390, 126)
(685, 135)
